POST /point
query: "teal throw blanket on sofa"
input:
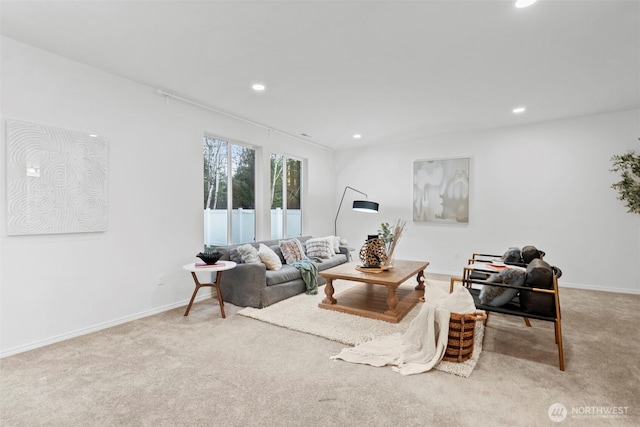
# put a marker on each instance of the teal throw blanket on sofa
(309, 273)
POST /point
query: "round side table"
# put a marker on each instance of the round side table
(218, 268)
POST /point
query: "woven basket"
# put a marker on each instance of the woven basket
(462, 328)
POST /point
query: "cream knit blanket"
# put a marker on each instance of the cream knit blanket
(423, 345)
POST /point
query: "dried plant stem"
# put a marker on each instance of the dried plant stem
(397, 233)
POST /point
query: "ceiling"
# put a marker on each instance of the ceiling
(392, 71)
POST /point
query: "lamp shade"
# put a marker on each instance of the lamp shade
(358, 205)
(365, 206)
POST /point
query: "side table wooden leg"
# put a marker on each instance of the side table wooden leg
(219, 293)
(328, 291)
(195, 292)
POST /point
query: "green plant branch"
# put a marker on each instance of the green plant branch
(628, 165)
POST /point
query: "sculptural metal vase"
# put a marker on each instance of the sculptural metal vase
(373, 253)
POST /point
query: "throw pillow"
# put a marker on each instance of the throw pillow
(248, 254)
(512, 256)
(269, 257)
(319, 248)
(275, 248)
(292, 250)
(529, 253)
(335, 243)
(234, 256)
(332, 245)
(539, 275)
(497, 296)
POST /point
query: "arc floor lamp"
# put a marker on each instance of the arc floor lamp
(358, 205)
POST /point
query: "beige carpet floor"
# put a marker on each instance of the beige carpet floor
(202, 370)
(301, 313)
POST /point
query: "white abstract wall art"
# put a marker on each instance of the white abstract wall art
(56, 180)
(441, 190)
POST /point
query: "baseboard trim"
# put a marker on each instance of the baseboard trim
(96, 328)
(599, 288)
(151, 312)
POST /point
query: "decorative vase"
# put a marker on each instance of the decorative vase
(373, 253)
(210, 258)
(389, 262)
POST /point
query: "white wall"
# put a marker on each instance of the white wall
(56, 286)
(546, 185)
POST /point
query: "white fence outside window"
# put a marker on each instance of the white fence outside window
(243, 225)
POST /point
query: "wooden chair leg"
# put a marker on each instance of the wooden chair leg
(452, 282)
(558, 323)
(526, 321)
(559, 340)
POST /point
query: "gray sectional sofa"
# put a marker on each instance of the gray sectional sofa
(252, 285)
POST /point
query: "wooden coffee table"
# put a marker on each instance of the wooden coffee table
(378, 295)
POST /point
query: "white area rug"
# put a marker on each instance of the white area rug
(301, 313)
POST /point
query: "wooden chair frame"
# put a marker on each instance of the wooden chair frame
(511, 309)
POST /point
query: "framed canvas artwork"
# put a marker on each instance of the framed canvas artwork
(56, 180)
(441, 190)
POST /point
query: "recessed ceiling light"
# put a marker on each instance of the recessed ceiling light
(93, 135)
(258, 87)
(519, 110)
(524, 3)
(357, 136)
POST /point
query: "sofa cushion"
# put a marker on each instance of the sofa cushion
(269, 257)
(538, 303)
(319, 248)
(292, 250)
(286, 274)
(331, 262)
(248, 253)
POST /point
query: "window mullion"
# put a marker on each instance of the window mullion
(229, 194)
(284, 195)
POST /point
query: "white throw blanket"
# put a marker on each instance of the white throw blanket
(423, 345)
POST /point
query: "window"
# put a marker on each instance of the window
(229, 181)
(286, 211)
